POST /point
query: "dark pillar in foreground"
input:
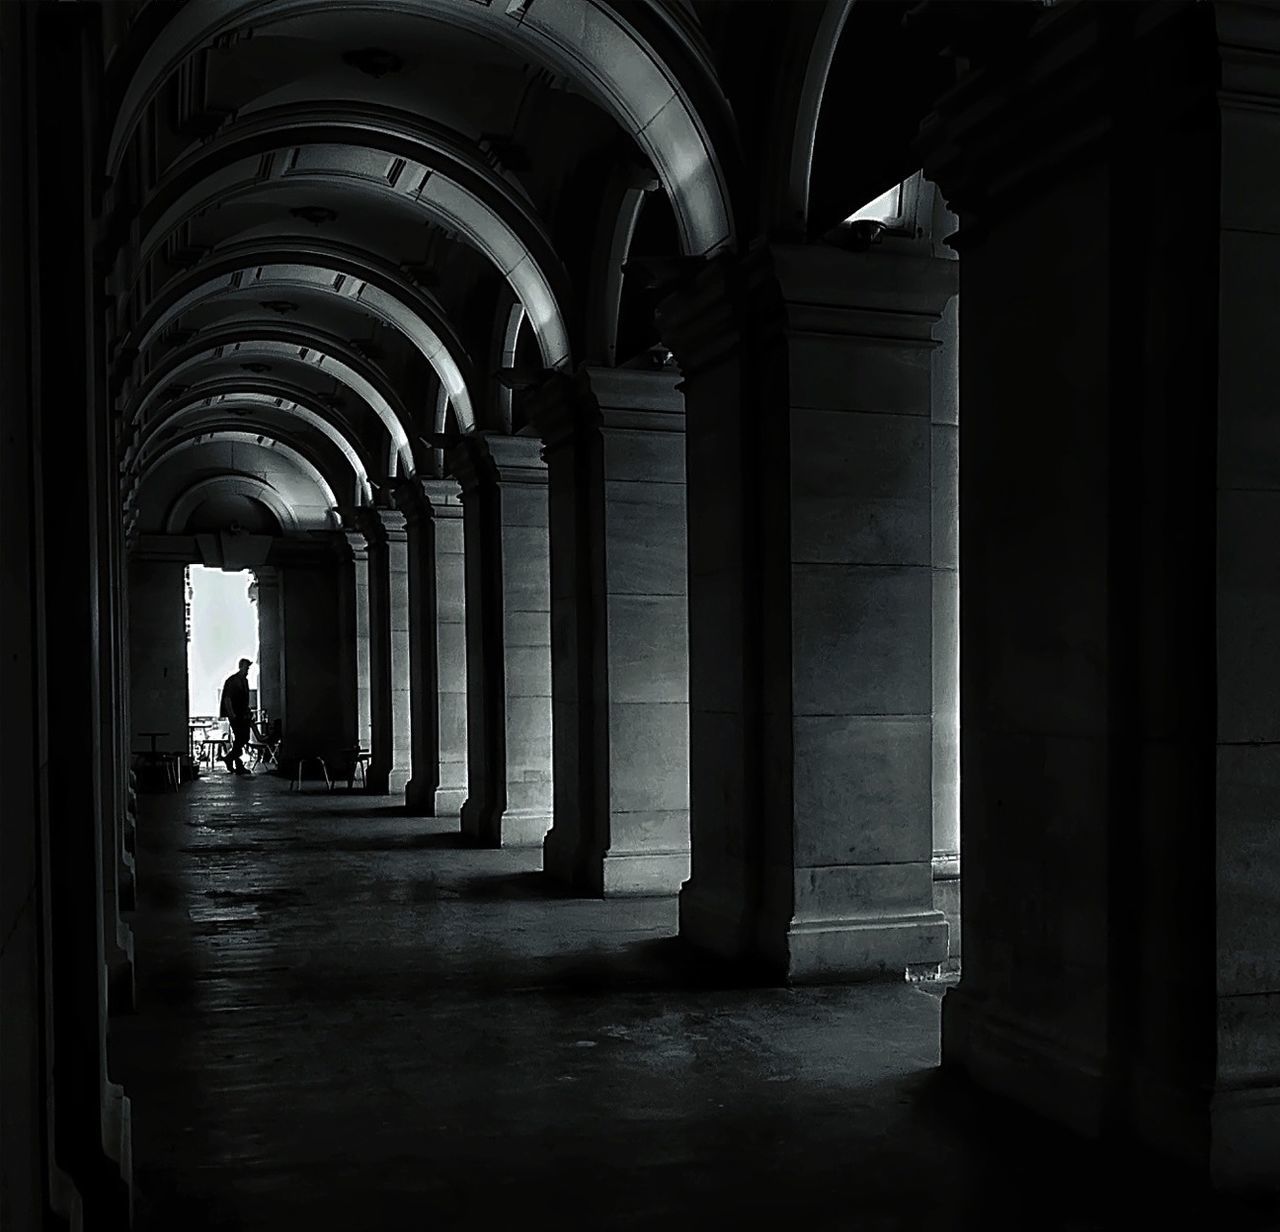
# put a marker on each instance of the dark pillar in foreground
(1120, 606)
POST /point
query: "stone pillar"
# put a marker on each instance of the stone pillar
(113, 761)
(157, 650)
(390, 738)
(451, 644)
(1120, 508)
(420, 608)
(361, 662)
(270, 644)
(504, 500)
(807, 387)
(317, 616)
(614, 446)
(945, 487)
(87, 1114)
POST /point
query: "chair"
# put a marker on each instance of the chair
(356, 761)
(263, 747)
(301, 763)
(169, 766)
(297, 761)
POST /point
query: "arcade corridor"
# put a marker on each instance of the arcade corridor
(348, 1020)
(707, 467)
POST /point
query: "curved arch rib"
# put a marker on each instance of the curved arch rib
(237, 485)
(328, 271)
(269, 342)
(406, 167)
(201, 400)
(587, 39)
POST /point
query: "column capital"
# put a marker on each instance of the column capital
(410, 502)
(886, 293)
(1073, 87)
(380, 526)
(560, 407)
(717, 308)
(443, 496)
(638, 399)
(358, 543)
(492, 458)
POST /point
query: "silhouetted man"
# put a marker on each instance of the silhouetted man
(235, 709)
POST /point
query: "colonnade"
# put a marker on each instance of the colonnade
(697, 632)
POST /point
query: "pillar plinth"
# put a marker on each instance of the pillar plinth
(504, 502)
(807, 387)
(614, 446)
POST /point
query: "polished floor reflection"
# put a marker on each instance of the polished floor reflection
(348, 1020)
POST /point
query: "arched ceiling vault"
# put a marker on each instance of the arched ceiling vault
(387, 201)
(294, 457)
(327, 269)
(269, 406)
(589, 41)
(392, 158)
(264, 345)
(264, 422)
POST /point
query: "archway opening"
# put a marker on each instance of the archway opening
(222, 628)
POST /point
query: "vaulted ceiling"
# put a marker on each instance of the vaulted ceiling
(327, 227)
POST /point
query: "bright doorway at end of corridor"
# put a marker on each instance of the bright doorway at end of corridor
(222, 629)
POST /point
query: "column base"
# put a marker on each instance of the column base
(122, 997)
(1244, 1136)
(523, 827)
(644, 874)
(419, 798)
(448, 801)
(859, 948)
(565, 863)
(712, 922)
(127, 887)
(1022, 1063)
(946, 898)
(398, 781)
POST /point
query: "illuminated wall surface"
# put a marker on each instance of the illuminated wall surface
(223, 627)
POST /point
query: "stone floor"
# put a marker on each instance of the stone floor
(349, 1021)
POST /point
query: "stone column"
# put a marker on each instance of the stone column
(113, 768)
(807, 386)
(391, 741)
(451, 644)
(945, 466)
(504, 500)
(87, 1115)
(420, 791)
(1120, 508)
(614, 446)
(270, 644)
(319, 660)
(158, 650)
(361, 662)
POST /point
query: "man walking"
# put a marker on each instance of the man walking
(235, 709)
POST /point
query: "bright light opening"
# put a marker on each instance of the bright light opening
(222, 629)
(886, 208)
